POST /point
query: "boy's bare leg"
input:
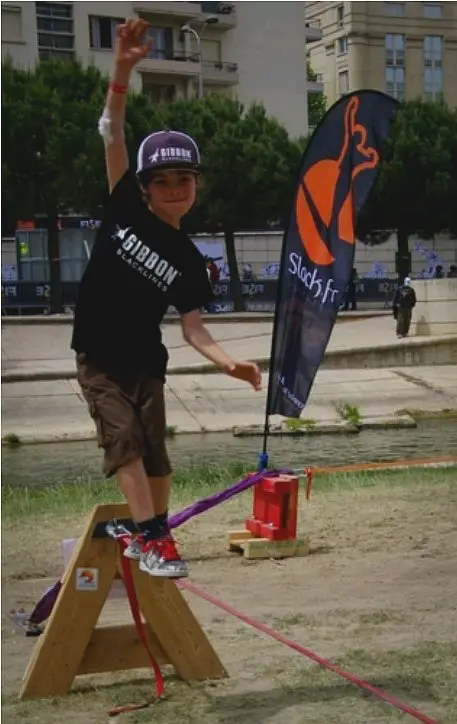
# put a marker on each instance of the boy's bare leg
(134, 484)
(160, 493)
(154, 547)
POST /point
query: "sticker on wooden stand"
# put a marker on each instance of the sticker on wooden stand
(87, 579)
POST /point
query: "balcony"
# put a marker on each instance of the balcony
(178, 10)
(313, 32)
(177, 63)
(218, 73)
(224, 12)
(314, 86)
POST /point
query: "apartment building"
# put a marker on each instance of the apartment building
(407, 49)
(254, 51)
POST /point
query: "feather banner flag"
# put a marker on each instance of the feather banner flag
(338, 171)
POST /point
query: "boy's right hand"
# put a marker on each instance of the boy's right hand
(131, 43)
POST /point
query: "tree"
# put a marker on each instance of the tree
(53, 160)
(317, 102)
(250, 166)
(417, 187)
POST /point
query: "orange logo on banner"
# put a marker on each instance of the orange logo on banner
(319, 185)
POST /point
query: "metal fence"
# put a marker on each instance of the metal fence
(26, 297)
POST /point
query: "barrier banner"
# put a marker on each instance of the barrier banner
(338, 171)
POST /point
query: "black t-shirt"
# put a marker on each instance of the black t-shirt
(139, 267)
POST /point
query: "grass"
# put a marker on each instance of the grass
(300, 424)
(188, 485)
(367, 599)
(350, 413)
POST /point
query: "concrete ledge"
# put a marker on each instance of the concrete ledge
(412, 352)
(436, 309)
(337, 427)
(225, 318)
(386, 423)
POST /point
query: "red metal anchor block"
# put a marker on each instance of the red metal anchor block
(274, 513)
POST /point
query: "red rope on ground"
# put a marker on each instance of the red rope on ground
(325, 663)
(140, 628)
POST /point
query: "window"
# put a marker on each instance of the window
(395, 49)
(55, 30)
(340, 15)
(433, 84)
(343, 82)
(342, 46)
(11, 24)
(162, 43)
(33, 255)
(433, 67)
(54, 25)
(433, 50)
(55, 10)
(211, 51)
(395, 82)
(394, 10)
(432, 10)
(159, 93)
(55, 41)
(103, 32)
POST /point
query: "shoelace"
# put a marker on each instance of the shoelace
(166, 547)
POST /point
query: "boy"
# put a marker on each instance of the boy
(140, 265)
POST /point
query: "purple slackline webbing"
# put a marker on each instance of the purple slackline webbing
(43, 609)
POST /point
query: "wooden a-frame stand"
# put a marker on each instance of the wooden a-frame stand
(72, 645)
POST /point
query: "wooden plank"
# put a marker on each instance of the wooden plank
(60, 649)
(171, 620)
(118, 648)
(258, 548)
(235, 535)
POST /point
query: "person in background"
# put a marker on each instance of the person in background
(403, 305)
(452, 273)
(350, 297)
(439, 274)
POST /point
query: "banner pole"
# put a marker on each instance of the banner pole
(263, 455)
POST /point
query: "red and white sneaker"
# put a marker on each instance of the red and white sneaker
(133, 550)
(159, 557)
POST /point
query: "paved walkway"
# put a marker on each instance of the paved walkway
(52, 410)
(45, 348)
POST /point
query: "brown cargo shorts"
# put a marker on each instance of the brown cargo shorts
(129, 414)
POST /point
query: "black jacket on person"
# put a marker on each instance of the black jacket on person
(405, 298)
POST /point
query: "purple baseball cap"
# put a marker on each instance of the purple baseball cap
(167, 149)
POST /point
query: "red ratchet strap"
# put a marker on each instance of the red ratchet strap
(135, 609)
(309, 472)
(325, 663)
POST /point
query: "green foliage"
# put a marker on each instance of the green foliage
(294, 424)
(250, 167)
(53, 159)
(350, 413)
(317, 102)
(417, 186)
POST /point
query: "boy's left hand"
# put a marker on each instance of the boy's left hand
(247, 372)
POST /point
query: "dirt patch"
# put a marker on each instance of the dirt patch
(377, 595)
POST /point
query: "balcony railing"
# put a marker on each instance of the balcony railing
(223, 12)
(222, 67)
(313, 31)
(179, 55)
(218, 73)
(216, 8)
